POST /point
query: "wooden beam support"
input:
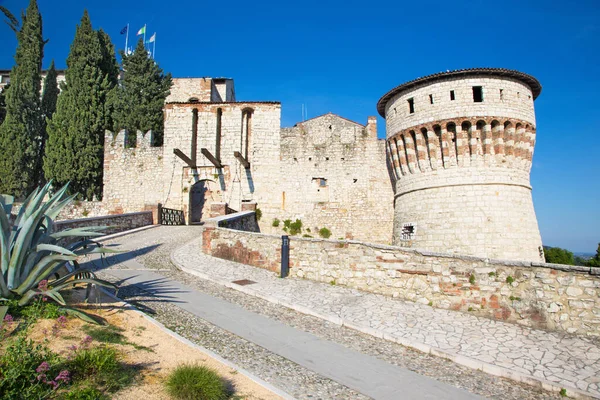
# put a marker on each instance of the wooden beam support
(241, 159)
(211, 158)
(185, 158)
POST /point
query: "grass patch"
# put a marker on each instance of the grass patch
(111, 334)
(101, 366)
(195, 382)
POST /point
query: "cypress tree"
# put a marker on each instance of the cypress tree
(49, 99)
(75, 146)
(22, 124)
(142, 94)
(3, 103)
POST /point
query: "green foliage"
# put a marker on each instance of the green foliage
(295, 227)
(101, 366)
(556, 255)
(142, 93)
(306, 235)
(325, 233)
(510, 279)
(48, 107)
(275, 222)
(286, 224)
(75, 147)
(563, 392)
(3, 103)
(472, 279)
(195, 382)
(84, 393)
(31, 254)
(258, 213)
(514, 298)
(491, 274)
(22, 124)
(18, 370)
(594, 261)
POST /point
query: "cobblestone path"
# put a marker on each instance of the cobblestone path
(552, 359)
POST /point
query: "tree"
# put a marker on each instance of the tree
(48, 107)
(594, 261)
(3, 103)
(75, 146)
(142, 94)
(22, 124)
(556, 255)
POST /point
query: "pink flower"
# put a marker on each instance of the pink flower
(41, 377)
(8, 318)
(63, 376)
(86, 341)
(62, 320)
(43, 367)
(43, 285)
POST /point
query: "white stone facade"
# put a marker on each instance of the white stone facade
(461, 147)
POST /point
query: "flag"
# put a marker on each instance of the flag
(152, 38)
(142, 31)
(124, 30)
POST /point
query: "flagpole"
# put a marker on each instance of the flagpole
(127, 39)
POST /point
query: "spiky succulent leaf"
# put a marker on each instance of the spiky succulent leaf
(92, 319)
(3, 311)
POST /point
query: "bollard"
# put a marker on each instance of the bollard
(285, 256)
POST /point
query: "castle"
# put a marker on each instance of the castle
(451, 177)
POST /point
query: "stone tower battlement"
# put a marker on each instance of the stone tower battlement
(461, 145)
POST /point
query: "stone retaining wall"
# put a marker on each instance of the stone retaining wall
(546, 296)
(117, 223)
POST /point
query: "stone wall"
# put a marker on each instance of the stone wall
(547, 296)
(132, 175)
(250, 128)
(75, 210)
(116, 223)
(335, 176)
(239, 221)
(514, 101)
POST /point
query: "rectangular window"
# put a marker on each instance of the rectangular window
(501, 94)
(430, 99)
(411, 106)
(477, 94)
(452, 95)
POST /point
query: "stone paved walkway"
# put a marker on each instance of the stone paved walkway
(534, 356)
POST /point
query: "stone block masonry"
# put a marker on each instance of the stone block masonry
(545, 296)
(115, 223)
(461, 145)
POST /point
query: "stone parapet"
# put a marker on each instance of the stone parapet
(540, 295)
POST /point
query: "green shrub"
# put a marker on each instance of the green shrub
(101, 366)
(295, 227)
(18, 367)
(286, 224)
(510, 279)
(325, 233)
(195, 382)
(472, 279)
(275, 222)
(258, 213)
(306, 236)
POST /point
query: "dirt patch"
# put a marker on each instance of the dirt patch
(147, 346)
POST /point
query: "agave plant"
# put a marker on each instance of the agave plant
(32, 254)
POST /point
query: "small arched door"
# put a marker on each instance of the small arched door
(197, 200)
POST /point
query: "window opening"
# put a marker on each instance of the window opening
(452, 95)
(411, 106)
(477, 94)
(501, 94)
(430, 99)
(408, 232)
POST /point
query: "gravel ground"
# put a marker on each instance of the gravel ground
(157, 244)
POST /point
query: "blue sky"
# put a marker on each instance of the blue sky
(342, 56)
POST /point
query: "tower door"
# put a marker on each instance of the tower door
(197, 200)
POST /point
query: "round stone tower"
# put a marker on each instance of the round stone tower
(461, 145)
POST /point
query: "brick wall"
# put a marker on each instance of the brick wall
(547, 296)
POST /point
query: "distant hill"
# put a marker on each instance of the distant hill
(584, 255)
